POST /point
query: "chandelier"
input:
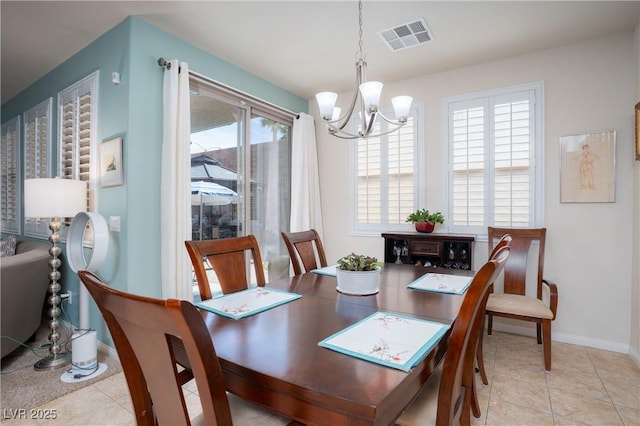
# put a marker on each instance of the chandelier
(367, 96)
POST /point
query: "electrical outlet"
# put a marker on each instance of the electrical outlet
(67, 296)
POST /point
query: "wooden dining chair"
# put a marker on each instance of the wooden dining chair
(144, 331)
(305, 250)
(514, 302)
(228, 259)
(505, 240)
(446, 397)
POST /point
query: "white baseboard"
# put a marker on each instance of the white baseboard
(635, 355)
(108, 350)
(500, 324)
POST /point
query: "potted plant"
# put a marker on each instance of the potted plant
(358, 274)
(424, 220)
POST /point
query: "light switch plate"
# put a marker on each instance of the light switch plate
(114, 223)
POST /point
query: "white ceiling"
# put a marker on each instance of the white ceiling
(308, 46)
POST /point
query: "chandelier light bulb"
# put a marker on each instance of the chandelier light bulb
(371, 91)
(401, 107)
(336, 113)
(326, 102)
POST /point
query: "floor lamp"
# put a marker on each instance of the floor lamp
(54, 198)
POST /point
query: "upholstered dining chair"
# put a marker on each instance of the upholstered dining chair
(228, 259)
(446, 397)
(305, 250)
(140, 327)
(505, 240)
(514, 302)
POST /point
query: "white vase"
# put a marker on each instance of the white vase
(358, 283)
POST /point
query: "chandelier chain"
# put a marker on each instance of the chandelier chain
(368, 95)
(360, 29)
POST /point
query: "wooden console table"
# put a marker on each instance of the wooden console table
(454, 251)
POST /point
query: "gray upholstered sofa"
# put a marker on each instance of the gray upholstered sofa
(24, 283)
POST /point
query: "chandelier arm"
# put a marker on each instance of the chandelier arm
(390, 121)
(369, 126)
(398, 126)
(342, 121)
(346, 135)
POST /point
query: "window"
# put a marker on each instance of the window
(494, 141)
(9, 205)
(386, 178)
(37, 157)
(77, 115)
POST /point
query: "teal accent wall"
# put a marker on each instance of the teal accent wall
(133, 111)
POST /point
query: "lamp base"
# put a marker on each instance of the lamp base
(71, 377)
(53, 361)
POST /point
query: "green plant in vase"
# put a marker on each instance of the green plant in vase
(358, 274)
(424, 220)
(358, 262)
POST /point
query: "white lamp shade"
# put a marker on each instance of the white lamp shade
(326, 102)
(371, 91)
(54, 197)
(336, 113)
(401, 106)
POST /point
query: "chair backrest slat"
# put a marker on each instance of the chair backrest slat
(227, 257)
(305, 250)
(515, 272)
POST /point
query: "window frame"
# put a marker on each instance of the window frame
(367, 230)
(37, 227)
(75, 92)
(13, 124)
(536, 171)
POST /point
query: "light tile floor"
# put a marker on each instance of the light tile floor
(585, 387)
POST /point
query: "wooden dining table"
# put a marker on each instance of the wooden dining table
(273, 358)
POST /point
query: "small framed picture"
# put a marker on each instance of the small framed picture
(110, 163)
(588, 167)
(637, 131)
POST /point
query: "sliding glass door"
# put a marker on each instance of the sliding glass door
(240, 170)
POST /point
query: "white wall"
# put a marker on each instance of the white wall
(589, 246)
(635, 293)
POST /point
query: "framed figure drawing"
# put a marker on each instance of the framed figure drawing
(588, 167)
(110, 163)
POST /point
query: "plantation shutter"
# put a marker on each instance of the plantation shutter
(77, 106)
(9, 206)
(468, 133)
(37, 160)
(513, 153)
(492, 151)
(401, 188)
(386, 176)
(369, 181)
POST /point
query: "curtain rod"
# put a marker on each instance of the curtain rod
(167, 65)
(240, 93)
(162, 63)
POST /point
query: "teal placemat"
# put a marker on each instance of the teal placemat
(248, 302)
(442, 283)
(327, 270)
(392, 340)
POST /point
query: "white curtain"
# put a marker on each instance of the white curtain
(175, 197)
(305, 183)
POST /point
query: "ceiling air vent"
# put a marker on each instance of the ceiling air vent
(406, 35)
